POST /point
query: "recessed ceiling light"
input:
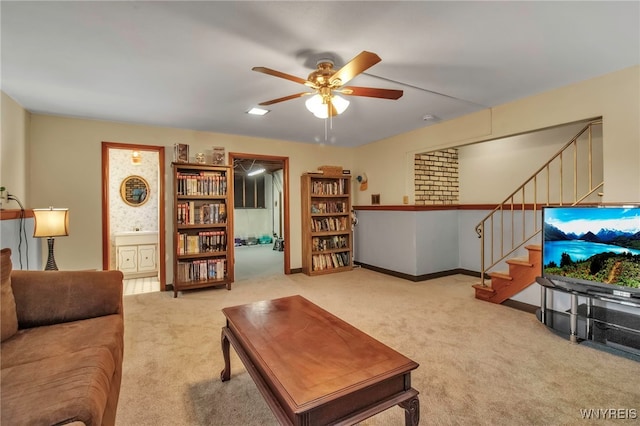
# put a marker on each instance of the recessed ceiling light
(257, 111)
(429, 117)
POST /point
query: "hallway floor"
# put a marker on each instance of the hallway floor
(258, 261)
(141, 285)
(251, 262)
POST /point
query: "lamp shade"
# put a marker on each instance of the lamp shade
(51, 222)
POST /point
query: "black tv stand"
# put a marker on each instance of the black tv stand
(614, 328)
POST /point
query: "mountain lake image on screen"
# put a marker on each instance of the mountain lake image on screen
(597, 247)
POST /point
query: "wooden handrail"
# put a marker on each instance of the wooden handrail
(516, 202)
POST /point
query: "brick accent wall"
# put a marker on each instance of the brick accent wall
(436, 177)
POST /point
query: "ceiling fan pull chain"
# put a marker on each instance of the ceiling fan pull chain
(330, 107)
(325, 129)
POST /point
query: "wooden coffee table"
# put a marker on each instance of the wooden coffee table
(313, 368)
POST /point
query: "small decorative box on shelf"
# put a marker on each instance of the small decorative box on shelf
(331, 171)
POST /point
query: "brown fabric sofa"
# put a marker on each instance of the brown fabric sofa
(62, 346)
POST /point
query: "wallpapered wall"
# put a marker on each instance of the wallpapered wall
(123, 217)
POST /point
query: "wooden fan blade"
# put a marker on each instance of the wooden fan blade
(280, 74)
(371, 92)
(357, 65)
(285, 98)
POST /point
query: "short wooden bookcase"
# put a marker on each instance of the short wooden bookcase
(327, 237)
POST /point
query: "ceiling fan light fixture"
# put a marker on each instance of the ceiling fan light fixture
(325, 80)
(315, 105)
(319, 108)
(340, 103)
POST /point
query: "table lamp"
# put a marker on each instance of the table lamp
(51, 223)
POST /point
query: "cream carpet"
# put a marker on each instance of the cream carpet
(480, 363)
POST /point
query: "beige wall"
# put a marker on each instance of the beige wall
(62, 166)
(615, 97)
(66, 172)
(499, 164)
(14, 151)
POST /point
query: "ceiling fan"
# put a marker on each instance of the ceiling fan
(327, 82)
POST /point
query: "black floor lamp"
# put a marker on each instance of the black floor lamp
(51, 223)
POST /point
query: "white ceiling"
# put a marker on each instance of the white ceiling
(188, 64)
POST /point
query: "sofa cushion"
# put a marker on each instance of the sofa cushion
(8, 319)
(50, 297)
(28, 345)
(58, 390)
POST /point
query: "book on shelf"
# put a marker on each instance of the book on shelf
(181, 249)
(191, 209)
(193, 244)
(205, 214)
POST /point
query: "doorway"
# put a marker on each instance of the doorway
(261, 214)
(133, 214)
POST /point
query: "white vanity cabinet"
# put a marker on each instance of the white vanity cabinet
(137, 253)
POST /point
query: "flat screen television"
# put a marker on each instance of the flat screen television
(592, 249)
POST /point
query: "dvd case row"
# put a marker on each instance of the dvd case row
(201, 183)
(330, 224)
(193, 213)
(202, 242)
(201, 270)
(329, 187)
(329, 243)
(330, 260)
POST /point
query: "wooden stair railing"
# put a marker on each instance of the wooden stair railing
(516, 223)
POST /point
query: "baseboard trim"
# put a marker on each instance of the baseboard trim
(417, 278)
(425, 277)
(521, 306)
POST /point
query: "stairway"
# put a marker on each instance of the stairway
(521, 274)
(515, 222)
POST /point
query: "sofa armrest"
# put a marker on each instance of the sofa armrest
(51, 297)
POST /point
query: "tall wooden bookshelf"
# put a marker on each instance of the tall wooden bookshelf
(203, 226)
(327, 238)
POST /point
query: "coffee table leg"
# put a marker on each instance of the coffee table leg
(226, 373)
(412, 411)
